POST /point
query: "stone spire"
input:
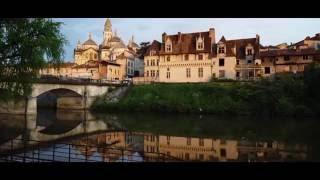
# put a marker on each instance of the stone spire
(108, 26)
(90, 35)
(79, 44)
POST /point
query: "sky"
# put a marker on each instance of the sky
(272, 31)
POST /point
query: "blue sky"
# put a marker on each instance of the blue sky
(272, 31)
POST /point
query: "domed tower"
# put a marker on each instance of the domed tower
(107, 33)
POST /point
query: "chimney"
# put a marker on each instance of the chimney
(212, 35)
(164, 35)
(179, 37)
(258, 39)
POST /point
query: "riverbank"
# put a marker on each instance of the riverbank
(286, 96)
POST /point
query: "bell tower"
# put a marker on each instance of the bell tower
(107, 33)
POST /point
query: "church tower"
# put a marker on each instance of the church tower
(107, 33)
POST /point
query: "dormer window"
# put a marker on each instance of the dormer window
(249, 50)
(152, 52)
(168, 46)
(200, 43)
(200, 46)
(221, 50)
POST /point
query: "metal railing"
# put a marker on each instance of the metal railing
(35, 151)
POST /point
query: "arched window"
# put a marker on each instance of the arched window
(95, 56)
(91, 56)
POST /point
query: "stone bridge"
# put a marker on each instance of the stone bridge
(35, 133)
(73, 96)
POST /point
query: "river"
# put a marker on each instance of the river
(83, 136)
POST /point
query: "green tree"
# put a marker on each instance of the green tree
(143, 48)
(26, 46)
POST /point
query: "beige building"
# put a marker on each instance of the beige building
(293, 58)
(93, 61)
(196, 57)
(186, 57)
(151, 62)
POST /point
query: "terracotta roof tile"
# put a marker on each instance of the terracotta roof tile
(155, 46)
(186, 43)
(290, 52)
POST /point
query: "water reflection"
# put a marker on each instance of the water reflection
(73, 136)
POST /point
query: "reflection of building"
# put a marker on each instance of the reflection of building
(209, 149)
(115, 146)
(192, 149)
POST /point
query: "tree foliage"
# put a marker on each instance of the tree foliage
(26, 46)
(143, 48)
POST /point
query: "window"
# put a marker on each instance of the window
(168, 59)
(305, 57)
(157, 73)
(152, 138)
(223, 152)
(168, 48)
(221, 62)
(267, 70)
(168, 140)
(200, 72)
(201, 143)
(188, 72)
(221, 50)
(250, 73)
(286, 58)
(249, 52)
(187, 156)
(186, 57)
(223, 141)
(147, 73)
(221, 73)
(201, 157)
(200, 45)
(238, 74)
(238, 62)
(168, 75)
(262, 60)
(152, 73)
(188, 141)
(158, 62)
(200, 57)
(249, 61)
(91, 56)
(95, 56)
(168, 153)
(147, 62)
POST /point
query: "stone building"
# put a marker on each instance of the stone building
(291, 58)
(93, 61)
(196, 57)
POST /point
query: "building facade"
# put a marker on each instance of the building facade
(291, 58)
(111, 60)
(197, 57)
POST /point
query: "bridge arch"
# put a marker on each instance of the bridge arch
(87, 93)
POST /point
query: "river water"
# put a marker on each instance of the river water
(82, 136)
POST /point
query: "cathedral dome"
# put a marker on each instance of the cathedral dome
(133, 44)
(90, 42)
(115, 39)
(118, 45)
